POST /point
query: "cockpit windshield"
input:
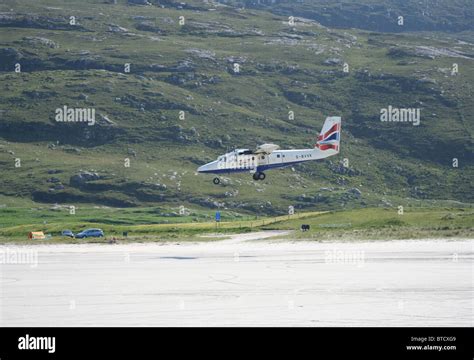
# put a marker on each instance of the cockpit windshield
(244, 152)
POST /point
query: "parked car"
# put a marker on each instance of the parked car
(90, 233)
(67, 233)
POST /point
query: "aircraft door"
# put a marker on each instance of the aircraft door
(278, 158)
(262, 159)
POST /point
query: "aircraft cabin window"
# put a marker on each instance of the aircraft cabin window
(278, 155)
(263, 157)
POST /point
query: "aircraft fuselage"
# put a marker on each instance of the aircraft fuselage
(240, 162)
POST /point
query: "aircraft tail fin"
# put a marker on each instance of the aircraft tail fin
(330, 136)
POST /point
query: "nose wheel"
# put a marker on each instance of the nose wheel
(259, 176)
(216, 181)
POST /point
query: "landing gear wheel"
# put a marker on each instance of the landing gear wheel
(216, 181)
(261, 176)
(255, 176)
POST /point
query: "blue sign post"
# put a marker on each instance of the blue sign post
(218, 218)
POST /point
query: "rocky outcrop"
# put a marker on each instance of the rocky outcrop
(375, 16)
(37, 21)
(81, 178)
(65, 133)
(138, 2)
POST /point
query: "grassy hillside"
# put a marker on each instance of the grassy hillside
(376, 15)
(190, 68)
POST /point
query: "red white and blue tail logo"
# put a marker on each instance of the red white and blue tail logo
(330, 136)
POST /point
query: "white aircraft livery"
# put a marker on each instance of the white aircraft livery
(269, 156)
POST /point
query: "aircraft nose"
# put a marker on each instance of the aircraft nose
(209, 167)
(203, 168)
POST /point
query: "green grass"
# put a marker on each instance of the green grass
(16, 223)
(386, 223)
(371, 223)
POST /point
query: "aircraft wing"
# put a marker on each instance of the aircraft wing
(266, 149)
